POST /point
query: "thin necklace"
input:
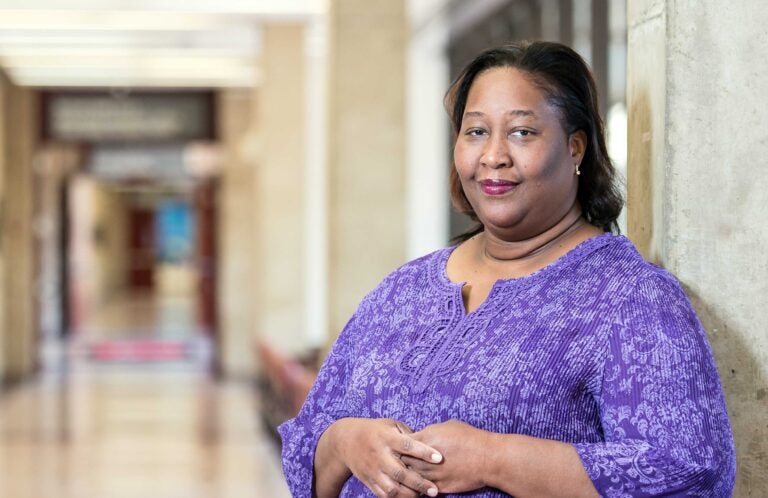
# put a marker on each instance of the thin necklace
(536, 251)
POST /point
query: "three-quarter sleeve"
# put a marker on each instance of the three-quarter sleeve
(324, 405)
(662, 409)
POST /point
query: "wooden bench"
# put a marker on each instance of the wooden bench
(283, 383)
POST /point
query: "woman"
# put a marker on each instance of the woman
(542, 356)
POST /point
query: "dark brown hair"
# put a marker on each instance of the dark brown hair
(568, 83)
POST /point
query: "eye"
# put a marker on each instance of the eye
(475, 132)
(522, 133)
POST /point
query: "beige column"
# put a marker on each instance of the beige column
(366, 148)
(4, 119)
(698, 187)
(262, 195)
(280, 188)
(646, 108)
(18, 142)
(54, 164)
(97, 266)
(238, 255)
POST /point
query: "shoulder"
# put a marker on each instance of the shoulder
(609, 273)
(418, 275)
(657, 323)
(658, 302)
(618, 254)
(618, 265)
(642, 279)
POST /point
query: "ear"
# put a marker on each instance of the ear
(577, 144)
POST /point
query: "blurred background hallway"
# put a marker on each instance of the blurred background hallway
(128, 429)
(195, 195)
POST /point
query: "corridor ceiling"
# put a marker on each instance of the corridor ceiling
(140, 43)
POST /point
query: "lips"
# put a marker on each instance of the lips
(497, 187)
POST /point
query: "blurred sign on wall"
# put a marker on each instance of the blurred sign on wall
(125, 162)
(120, 117)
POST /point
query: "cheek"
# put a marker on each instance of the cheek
(461, 162)
(550, 165)
(548, 168)
(549, 177)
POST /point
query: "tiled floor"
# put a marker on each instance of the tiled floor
(88, 429)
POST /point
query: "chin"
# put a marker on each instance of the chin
(501, 222)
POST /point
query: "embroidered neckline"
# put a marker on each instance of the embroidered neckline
(438, 268)
(439, 352)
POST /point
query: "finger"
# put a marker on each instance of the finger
(412, 480)
(391, 489)
(377, 490)
(406, 445)
(429, 471)
(402, 428)
(417, 464)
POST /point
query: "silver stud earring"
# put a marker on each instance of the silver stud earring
(577, 169)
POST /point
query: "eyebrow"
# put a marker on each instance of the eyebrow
(513, 112)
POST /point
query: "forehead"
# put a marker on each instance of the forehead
(505, 87)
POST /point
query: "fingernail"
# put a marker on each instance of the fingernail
(436, 457)
(432, 491)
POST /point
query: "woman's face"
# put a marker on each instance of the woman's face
(515, 162)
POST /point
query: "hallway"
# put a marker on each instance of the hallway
(128, 429)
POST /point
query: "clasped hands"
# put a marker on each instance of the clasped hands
(393, 461)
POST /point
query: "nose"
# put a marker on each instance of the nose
(495, 154)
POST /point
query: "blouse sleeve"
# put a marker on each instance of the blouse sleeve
(662, 409)
(324, 405)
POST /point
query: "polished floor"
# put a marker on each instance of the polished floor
(88, 428)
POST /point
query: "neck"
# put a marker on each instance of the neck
(496, 248)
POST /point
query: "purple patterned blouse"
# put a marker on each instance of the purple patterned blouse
(600, 349)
